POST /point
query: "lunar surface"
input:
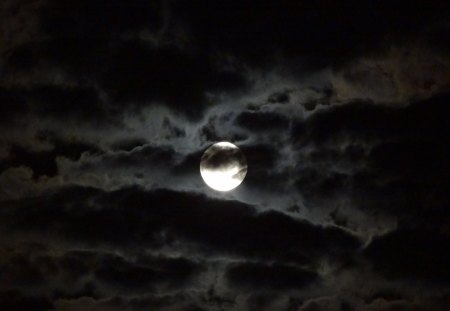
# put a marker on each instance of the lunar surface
(223, 166)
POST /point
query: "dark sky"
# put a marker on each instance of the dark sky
(343, 114)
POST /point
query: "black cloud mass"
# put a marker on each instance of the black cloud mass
(342, 112)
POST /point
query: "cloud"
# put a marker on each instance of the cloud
(12, 105)
(162, 220)
(71, 74)
(147, 273)
(262, 121)
(277, 277)
(324, 35)
(44, 162)
(397, 77)
(138, 73)
(411, 254)
(67, 273)
(341, 113)
(106, 256)
(375, 154)
(14, 300)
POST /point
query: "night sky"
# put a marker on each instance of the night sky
(342, 112)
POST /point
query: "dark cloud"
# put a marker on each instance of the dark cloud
(142, 276)
(260, 121)
(56, 102)
(411, 254)
(14, 300)
(263, 160)
(326, 33)
(95, 274)
(44, 162)
(190, 165)
(275, 277)
(395, 160)
(173, 130)
(128, 144)
(13, 106)
(141, 156)
(77, 33)
(136, 73)
(139, 72)
(366, 121)
(404, 73)
(81, 17)
(127, 68)
(211, 131)
(160, 218)
(281, 97)
(21, 272)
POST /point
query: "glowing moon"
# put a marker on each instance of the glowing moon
(223, 166)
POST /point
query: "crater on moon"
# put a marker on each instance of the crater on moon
(223, 166)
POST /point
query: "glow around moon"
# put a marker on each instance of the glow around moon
(223, 166)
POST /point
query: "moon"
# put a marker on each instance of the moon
(223, 166)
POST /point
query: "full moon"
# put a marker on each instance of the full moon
(223, 166)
